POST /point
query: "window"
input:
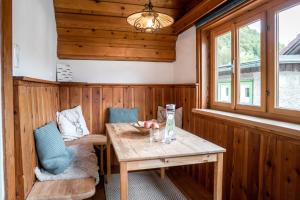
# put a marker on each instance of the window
(249, 56)
(287, 94)
(224, 67)
(253, 64)
(238, 64)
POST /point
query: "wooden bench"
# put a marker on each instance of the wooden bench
(68, 189)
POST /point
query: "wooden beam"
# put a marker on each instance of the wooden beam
(69, 32)
(7, 99)
(111, 42)
(94, 51)
(98, 22)
(196, 13)
(105, 8)
(156, 3)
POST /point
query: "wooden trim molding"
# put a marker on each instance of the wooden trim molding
(7, 100)
(196, 13)
(285, 129)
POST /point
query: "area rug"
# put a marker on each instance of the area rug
(144, 186)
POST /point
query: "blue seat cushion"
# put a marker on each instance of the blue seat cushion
(53, 155)
(123, 115)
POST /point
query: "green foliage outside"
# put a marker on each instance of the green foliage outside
(249, 46)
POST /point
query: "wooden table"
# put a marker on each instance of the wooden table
(135, 152)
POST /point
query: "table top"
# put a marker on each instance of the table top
(131, 145)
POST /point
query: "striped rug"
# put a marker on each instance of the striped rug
(144, 186)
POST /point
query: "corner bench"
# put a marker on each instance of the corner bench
(68, 189)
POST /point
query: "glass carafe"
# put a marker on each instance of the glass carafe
(169, 133)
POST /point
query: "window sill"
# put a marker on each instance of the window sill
(277, 127)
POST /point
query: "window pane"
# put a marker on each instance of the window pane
(250, 64)
(224, 67)
(288, 67)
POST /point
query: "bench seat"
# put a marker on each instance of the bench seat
(69, 189)
(93, 139)
(63, 189)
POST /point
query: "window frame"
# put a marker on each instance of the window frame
(243, 22)
(273, 59)
(214, 34)
(233, 27)
(205, 95)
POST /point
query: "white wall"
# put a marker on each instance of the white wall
(185, 64)
(120, 71)
(34, 30)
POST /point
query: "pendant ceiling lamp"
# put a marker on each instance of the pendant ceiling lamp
(149, 20)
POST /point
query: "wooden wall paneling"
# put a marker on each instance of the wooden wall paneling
(112, 42)
(71, 50)
(139, 101)
(113, 35)
(239, 176)
(289, 170)
(253, 153)
(149, 103)
(75, 96)
(105, 8)
(168, 95)
(267, 165)
(158, 3)
(107, 101)
(128, 97)
(118, 97)
(87, 106)
(96, 110)
(64, 97)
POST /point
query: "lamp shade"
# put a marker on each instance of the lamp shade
(149, 20)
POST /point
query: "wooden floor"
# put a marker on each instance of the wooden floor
(186, 185)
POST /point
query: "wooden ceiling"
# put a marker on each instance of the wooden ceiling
(97, 29)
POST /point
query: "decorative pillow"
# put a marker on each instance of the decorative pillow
(52, 153)
(71, 124)
(161, 115)
(123, 115)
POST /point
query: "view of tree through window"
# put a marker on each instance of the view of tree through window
(249, 53)
(288, 63)
(249, 64)
(224, 67)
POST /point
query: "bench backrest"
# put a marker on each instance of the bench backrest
(35, 103)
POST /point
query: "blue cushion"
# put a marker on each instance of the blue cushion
(52, 152)
(123, 115)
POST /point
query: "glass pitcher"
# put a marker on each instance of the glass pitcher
(169, 133)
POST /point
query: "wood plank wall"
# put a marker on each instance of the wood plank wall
(35, 104)
(258, 164)
(96, 98)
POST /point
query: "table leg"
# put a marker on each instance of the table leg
(101, 160)
(162, 173)
(108, 158)
(123, 181)
(218, 175)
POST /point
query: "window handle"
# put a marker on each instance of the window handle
(233, 66)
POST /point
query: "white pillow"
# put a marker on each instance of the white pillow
(161, 115)
(71, 124)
